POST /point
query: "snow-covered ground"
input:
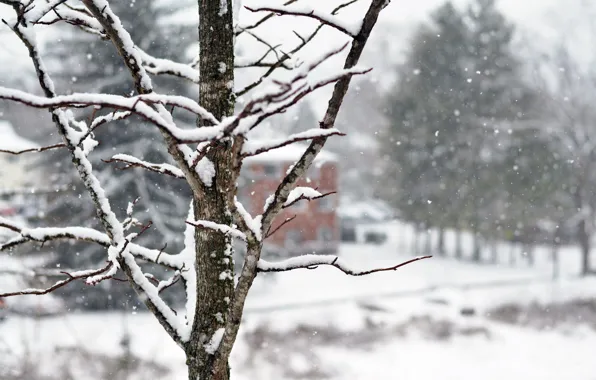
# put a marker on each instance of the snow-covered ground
(407, 324)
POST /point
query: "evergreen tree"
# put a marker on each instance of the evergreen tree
(165, 205)
(459, 84)
(422, 143)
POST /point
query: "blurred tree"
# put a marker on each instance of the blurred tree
(460, 83)
(566, 116)
(165, 205)
(421, 144)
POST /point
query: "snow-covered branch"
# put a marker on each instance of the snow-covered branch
(223, 228)
(131, 104)
(158, 168)
(304, 193)
(313, 261)
(159, 66)
(253, 149)
(305, 11)
(45, 234)
(70, 277)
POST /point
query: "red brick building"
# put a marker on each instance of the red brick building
(315, 228)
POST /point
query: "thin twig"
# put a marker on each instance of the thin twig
(288, 220)
(70, 278)
(318, 260)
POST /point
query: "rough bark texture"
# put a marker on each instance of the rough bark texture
(214, 264)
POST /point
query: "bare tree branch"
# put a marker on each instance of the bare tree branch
(37, 150)
(288, 220)
(324, 18)
(45, 234)
(242, 29)
(313, 261)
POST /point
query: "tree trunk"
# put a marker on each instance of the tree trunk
(214, 264)
(584, 243)
(494, 246)
(458, 245)
(582, 233)
(416, 242)
(555, 255)
(512, 254)
(428, 242)
(530, 254)
(441, 242)
(476, 253)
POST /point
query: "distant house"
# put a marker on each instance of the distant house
(315, 228)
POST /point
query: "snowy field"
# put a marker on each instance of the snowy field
(317, 324)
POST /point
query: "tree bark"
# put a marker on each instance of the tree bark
(214, 251)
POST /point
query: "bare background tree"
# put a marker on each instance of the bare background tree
(208, 158)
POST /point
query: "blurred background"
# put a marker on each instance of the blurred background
(473, 140)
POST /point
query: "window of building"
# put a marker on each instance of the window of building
(300, 206)
(325, 233)
(271, 170)
(293, 238)
(326, 204)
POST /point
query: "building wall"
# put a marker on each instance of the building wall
(315, 228)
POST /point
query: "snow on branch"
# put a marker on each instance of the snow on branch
(253, 149)
(251, 226)
(45, 234)
(305, 11)
(223, 228)
(132, 161)
(100, 120)
(304, 193)
(158, 66)
(108, 100)
(70, 277)
(313, 261)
